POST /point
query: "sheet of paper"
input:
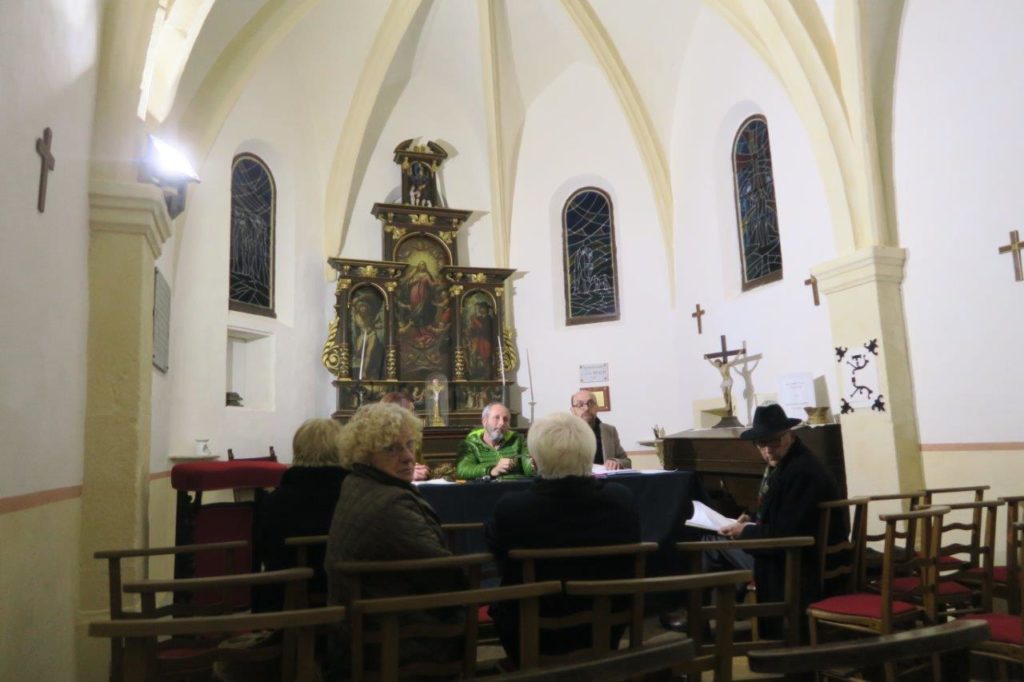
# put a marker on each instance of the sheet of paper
(707, 518)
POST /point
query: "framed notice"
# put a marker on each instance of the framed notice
(601, 395)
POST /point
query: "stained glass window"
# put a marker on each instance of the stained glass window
(760, 245)
(591, 287)
(253, 197)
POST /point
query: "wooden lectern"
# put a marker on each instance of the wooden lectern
(730, 469)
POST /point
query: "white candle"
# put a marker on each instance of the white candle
(362, 357)
(501, 362)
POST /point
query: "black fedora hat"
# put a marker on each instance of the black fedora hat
(769, 421)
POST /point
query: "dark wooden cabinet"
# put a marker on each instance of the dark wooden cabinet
(731, 469)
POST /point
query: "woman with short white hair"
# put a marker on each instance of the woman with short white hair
(565, 507)
(562, 445)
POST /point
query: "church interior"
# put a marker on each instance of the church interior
(895, 237)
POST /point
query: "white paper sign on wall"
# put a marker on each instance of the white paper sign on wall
(859, 369)
(590, 374)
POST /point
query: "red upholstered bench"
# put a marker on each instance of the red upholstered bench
(199, 476)
(218, 522)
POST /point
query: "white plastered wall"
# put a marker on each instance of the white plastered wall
(779, 319)
(271, 121)
(576, 136)
(49, 53)
(442, 101)
(957, 153)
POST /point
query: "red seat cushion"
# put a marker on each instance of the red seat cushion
(861, 604)
(947, 588)
(482, 615)
(1004, 628)
(226, 475)
(998, 573)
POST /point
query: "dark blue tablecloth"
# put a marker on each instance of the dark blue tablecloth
(665, 500)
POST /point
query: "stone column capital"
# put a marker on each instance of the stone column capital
(874, 264)
(130, 207)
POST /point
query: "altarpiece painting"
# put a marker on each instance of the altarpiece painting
(417, 315)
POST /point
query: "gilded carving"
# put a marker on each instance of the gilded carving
(370, 271)
(446, 236)
(391, 363)
(422, 219)
(460, 364)
(331, 356)
(477, 277)
(498, 293)
(343, 284)
(511, 356)
(396, 232)
(391, 286)
(455, 289)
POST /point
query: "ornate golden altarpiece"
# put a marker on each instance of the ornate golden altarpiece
(418, 314)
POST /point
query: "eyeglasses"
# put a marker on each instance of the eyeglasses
(589, 403)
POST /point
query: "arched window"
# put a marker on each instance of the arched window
(758, 222)
(253, 199)
(588, 239)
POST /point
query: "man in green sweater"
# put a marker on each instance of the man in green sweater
(494, 450)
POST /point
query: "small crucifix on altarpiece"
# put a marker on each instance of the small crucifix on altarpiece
(723, 364)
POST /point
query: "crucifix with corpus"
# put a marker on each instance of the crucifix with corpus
(723, 364)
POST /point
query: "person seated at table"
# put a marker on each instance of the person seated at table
(493, 450)
(402, 399)
(382, 517)
(608, 451)
(565, 507)
(302, 504)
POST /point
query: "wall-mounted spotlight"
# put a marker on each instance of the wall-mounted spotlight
(167, 168)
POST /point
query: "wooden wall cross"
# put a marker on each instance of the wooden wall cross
(812, 282)
(1014, 248)
(697, 314)
(47, 165)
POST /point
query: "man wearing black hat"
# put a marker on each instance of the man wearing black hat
(794, 483)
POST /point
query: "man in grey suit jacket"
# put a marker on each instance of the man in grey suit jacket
(609, 450)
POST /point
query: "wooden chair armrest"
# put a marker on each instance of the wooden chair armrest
(674, 583)
(218, 582)
(957, 489)
(895, 496)
(459, 561)
(158, 627)
(839, 504)
(1012, 498)
(766, 543)
(582, 552)
(180, 549)
(983, 504)
(461, 598)
(471, 525)
(305, 540)
(618, 666)
(957, 634)
(937, 510)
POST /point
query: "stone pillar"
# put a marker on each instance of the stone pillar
(129, 224)
(882, 449)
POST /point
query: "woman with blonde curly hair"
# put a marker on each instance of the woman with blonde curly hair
(303, 504)
(381, 516)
